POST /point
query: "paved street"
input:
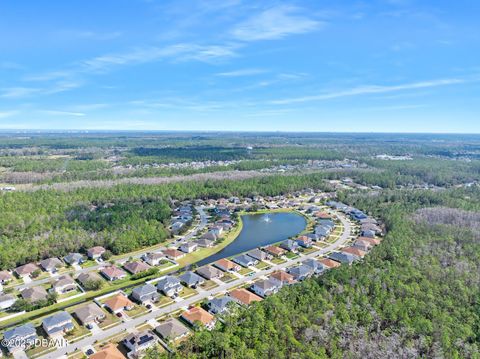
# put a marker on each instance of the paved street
(131, 324)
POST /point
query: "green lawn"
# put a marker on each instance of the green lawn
(136, 311)
(187, 292)
(209, 284)
(309, 250)
(245, 271)
(228, 277)
(88, 264)
(163, 301)
(291, 255)
(277, 260)
(69, 294)
(110, 319)
(77, 333)
(262, 265)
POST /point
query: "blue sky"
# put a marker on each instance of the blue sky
(381, 66)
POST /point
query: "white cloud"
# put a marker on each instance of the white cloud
(5, 114)
(62, 113)
(371, 89)
(242, 72)
(275, 23)
(18, 92)
(179, 52)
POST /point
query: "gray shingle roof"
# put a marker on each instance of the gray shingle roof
(171, 329)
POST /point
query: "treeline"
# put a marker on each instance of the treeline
(414, 296)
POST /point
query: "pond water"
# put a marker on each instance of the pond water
(260, 230)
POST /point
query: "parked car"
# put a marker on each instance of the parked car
(119, 315)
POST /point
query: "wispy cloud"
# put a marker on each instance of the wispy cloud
(241, 72)
(17, 92)
(62, 113)
(5, 114)
(372, 89)
(275, 23)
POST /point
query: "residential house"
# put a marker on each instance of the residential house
(368, 220)
(172, 330)
(119, 303)
(205, 242)
(354, 251)
(173, 253)
(153, 258)
(20, 338)
(227, 265)
(341, 257)
(245, 261)
(177, 226)
(372, 241)
(264, 287)
(34, 294)
(300, 272)
(219, 305)
(315, 265)
(5, 277)
(356, 214)
(136, 267)
(145, 293)
(191, 279)
(137, 343)
(199, 315)
(58, 324)
(323, 231)
(322, 215)
(304, 241)
(26, 270)
(210, 236)
(51, 265)
(368, 233)
(95, 252)
(289, 245)
(169, 285)
(275, 251)
(89, 314)
(281, 278)
(73, 259)
(371, 227)
(362, 245)
(209, 272)
(189, 247)
(85, 278)
(109, 351)
(113, 273)
(328, 263)
(244, 297)
(326, 223)
(259, 254)
(217, 231)
(313, 236)
(64, 284)
(6, 301)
